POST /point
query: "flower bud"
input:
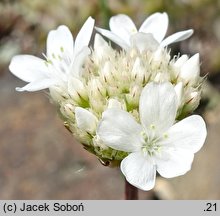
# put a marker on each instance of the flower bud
(161, 55)
(132, 98)
(179, 92)
(67, 110)
(77, 90)
(107, 73)
(190, 70)
(180, 61)
(99, 143)
(138, 71)
(161, 77)
(113, 103)
(85, 120)
(96, 89)
(192, 101)
(58, 94)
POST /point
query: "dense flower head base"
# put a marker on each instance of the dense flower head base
(126, 106)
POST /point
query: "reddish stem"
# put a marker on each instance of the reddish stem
(131, 192)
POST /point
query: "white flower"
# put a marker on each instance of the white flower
(149, 36)
(157, 144)
(63, 58)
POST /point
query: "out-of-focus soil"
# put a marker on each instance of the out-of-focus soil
(39, 158)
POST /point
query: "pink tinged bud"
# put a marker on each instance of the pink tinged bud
(190, 70)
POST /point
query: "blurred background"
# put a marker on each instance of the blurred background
(39, 159)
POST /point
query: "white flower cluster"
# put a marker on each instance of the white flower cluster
(126, 106)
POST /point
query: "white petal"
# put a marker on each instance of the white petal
(38, 85)
(79, 61)
(102, 50)
(84, 35)
(119, 130)
(139, 171)
(176, 37)
(174, 162)
(99, 42)
(156, 24)
(190, 69)
(60, 42)
(122, 26)
(113, 37)
(189, 134)
(143, 42)
(181, 60)
(28, 68)
(158, 106)
(85, 120)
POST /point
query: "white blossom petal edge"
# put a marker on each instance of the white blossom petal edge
(155, 27)
(63, 58)
(157, 144)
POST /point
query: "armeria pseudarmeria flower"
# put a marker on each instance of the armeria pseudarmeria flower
(64, 59)
(84, 82)
(157, 143)
(152, 32)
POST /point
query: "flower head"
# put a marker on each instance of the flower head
(123, 90)
(157, 142)
(149, 36)
(64, 58)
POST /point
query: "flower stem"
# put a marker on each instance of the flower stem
(131, 192)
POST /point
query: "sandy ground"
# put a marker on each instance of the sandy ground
(39, 159)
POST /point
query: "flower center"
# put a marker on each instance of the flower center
(151, 144)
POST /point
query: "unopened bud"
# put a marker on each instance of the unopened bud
(96, 89)
(107, 73)
(190, 70)
(192, 102)
(113, 103)
(138, 71)
(179, 92)
(77, 90)
(67, 110)
(132, 98)
(86, 120)
(180, 61)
